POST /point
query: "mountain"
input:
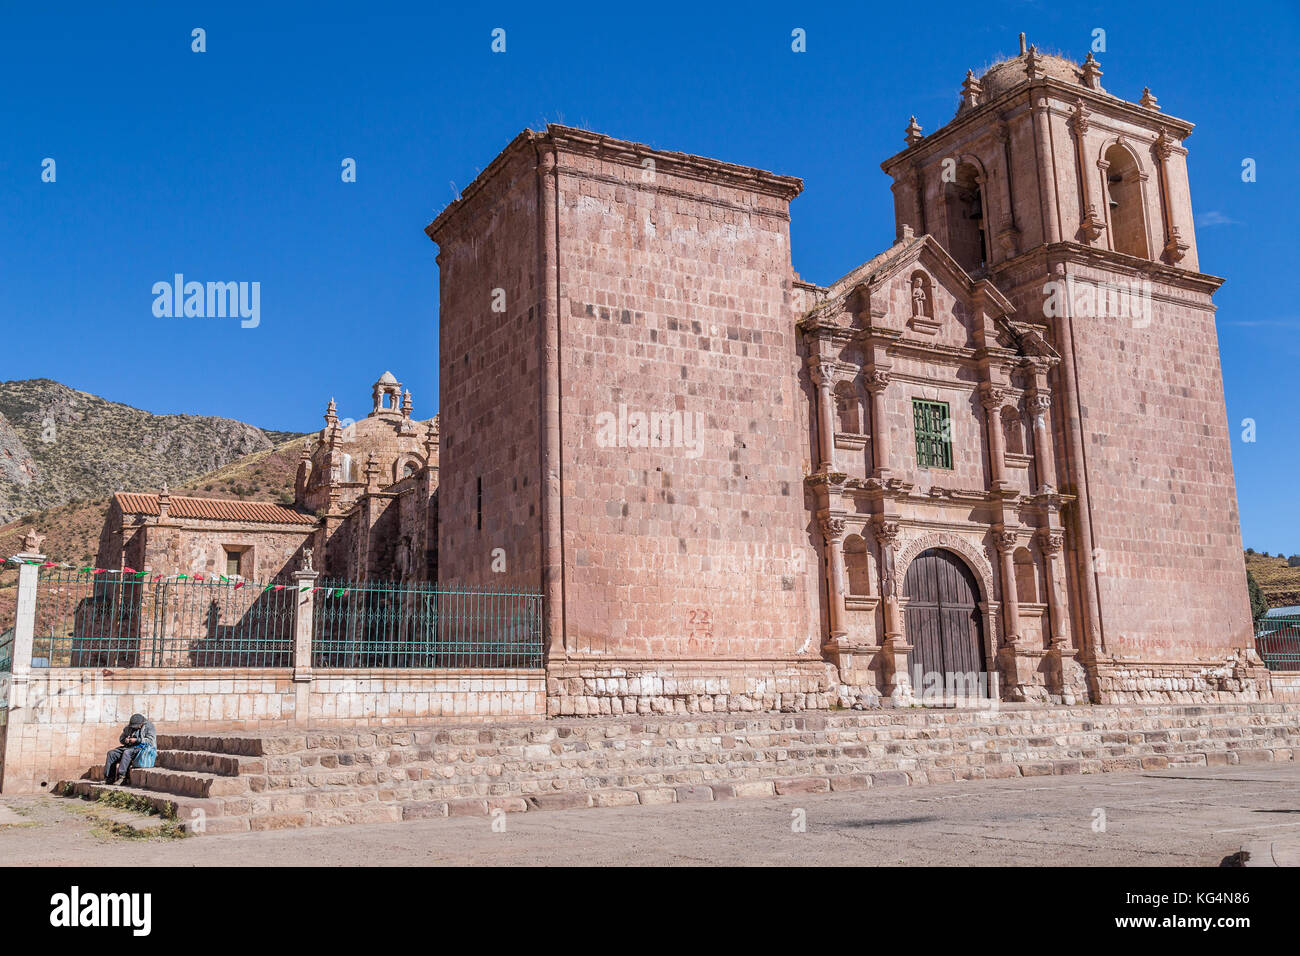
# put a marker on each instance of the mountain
(59, 445)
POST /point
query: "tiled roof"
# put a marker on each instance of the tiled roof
(212, 509)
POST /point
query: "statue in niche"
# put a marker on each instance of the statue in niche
(920, 298)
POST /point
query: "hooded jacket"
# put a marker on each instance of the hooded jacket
(141, 729)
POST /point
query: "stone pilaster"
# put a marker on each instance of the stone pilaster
(304, 606)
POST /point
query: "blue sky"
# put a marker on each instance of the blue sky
(225, 165)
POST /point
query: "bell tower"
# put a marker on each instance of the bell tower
(1075, 203)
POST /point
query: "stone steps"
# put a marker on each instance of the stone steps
(218, 783)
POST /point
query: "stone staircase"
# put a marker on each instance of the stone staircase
(233, 782)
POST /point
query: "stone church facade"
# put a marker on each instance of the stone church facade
(998, 448)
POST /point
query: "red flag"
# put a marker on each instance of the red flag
(129, 570)
(238, 585)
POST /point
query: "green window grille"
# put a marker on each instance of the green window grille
(933, 434)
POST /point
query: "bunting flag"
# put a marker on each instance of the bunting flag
(146, 575)
(339, 592)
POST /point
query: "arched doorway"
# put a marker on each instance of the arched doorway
(944, 625)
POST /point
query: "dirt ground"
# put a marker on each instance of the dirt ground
(1171, 818)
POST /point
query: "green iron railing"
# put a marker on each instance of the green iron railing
(1277, 639)
(125, 620)
(389, 625)
(7, 651)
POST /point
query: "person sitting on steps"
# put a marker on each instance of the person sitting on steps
(139, 743)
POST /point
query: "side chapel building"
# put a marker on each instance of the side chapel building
(364, 507)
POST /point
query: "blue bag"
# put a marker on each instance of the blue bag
(145, 755)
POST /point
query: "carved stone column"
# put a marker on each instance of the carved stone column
(993, 399)
(1052, 541)
(1015, 666)
(1175, 247)
(1068, 678)
(823, 375)
(894, 648)
(833, 531)
(1039, 403)
(1006, 545)
(1092, 224)
(877, 381)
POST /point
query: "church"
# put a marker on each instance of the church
(991, 462)
(996, 452)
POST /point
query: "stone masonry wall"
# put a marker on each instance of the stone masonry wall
(676, 301)
(73, 717)
(490, 379)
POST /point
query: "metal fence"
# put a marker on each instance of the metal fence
(1278, 643)
(390, 625)
(7, 651)
(125, 620)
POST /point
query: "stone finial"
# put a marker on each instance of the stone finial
(908, 233)
(1022, 44)
(1092, 73)
(372, 472)
(1148, 100)
(331, 413)
(1033, 68)
(306, 560)
(164, 502)
(406, 404)
(32, 542)
(912, 135)
(972, 94)
(431, 439)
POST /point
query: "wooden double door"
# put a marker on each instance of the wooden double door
(944, 624)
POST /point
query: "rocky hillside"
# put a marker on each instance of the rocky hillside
(59, 445)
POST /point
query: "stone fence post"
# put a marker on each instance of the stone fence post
(24, 632)
(304, 605)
